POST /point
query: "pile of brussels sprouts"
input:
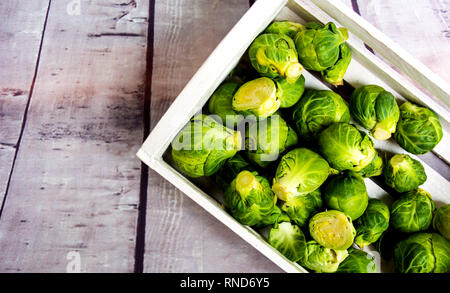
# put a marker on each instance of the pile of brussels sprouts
(289, 160)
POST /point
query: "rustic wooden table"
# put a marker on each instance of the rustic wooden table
(82, 83)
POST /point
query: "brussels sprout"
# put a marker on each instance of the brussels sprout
(251, 201)
(220, 104)
(300, 171)
(300, 208)
(345, 147)
(412, 212)
(285, 27)
(422, 253)
(347, 193)
(317, 110)
(321, 259)
(256, 97)
(289, 240)
(266, 139)
(231, 169)
(375, 168)
(376, 110)
(418, 130)
(335, 74)
(203, 146)
(322, 48)
(441, 221)
(289, 93)
(372, 224)
(274, 55)
(332, 229)
(358, 261)
(403, 173)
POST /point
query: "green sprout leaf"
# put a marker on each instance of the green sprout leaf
(422, 253)
(345, 147)
(317, 110)
(203, 146)
(274, 55)
(418, 130)
(404, 173)
(412, 212)
(289, 240)
(376, 110)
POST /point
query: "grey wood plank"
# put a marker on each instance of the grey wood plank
(75, 187)
(20, 37)
(180, 235)
(420, 27)
(6, 160)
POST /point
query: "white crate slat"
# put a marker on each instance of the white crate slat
(214, 70)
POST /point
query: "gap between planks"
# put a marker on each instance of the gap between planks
(27, 106)
(142, 210)
(8, 216)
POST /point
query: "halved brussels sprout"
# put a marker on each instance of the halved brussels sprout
(317, 110)
(274, 55)
(412, 212)
(203, 146)
(220, 104)
(251, 201)
(266, 139)
(418, 130)
(372, 224)
(300, 171)
(300, 208)
(322, 48)
(376, 110)
(256, 97)
(332, 229)
(375, 168)
(358, 262)
(347, 193)
(289, 240)
(231, 169)
(441, 221)
(345, 147)
(321, 259)
(422, 253)
(403, 173)
(288, 28)
(289, 93)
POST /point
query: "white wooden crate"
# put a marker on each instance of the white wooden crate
(365, 68)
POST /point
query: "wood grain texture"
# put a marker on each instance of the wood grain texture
(20, 37)
(420, 27)
(394, 53)
(180, 235)
(75, 186)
